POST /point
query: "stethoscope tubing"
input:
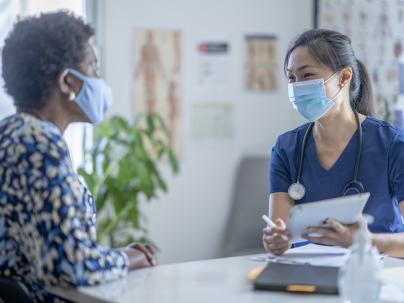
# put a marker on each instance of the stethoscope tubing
(354, 180)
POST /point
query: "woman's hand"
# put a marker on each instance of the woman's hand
(276, 239)
(140, 255)
(339, 234)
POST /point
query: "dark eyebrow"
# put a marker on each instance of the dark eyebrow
(301, 67)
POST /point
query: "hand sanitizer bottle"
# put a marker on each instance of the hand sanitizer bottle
(359, 280)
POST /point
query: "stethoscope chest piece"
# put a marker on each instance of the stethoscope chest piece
(296, 191)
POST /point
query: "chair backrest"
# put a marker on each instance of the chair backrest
(13, 291)
(249, 201)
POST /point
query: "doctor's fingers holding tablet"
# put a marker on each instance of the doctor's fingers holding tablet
(336, 234)
(342, 150)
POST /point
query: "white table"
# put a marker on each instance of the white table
(219, 280)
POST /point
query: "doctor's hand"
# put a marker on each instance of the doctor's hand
(276, 239)
(339, 234)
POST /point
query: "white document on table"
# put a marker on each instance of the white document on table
(311, 254)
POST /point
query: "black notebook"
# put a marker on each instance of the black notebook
(298, 278)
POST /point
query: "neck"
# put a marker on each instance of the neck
(337, 126)
(50, 114)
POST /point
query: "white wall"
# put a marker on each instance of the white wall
(188, 223)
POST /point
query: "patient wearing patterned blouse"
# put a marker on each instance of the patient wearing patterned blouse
(47, 216)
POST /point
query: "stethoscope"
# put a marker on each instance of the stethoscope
(297, 190)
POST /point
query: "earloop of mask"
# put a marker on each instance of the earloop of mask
(336, 94)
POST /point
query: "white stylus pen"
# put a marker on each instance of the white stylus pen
(273, 225)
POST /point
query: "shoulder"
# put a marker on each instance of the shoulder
(23, 135)
(383, 131)
(290, 139)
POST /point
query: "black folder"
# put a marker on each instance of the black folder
(298, 278)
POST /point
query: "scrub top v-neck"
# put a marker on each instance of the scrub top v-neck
(381, 170)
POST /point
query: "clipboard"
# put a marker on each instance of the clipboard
(300, 278)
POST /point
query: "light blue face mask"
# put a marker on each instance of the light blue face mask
(309, 98)
(94, 98)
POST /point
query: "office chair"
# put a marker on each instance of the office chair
(12, 291)
(243, 233)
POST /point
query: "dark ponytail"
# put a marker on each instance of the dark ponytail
(334, 50)
(361, 91)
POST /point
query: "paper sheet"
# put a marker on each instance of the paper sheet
(212, 121)
(312, 254)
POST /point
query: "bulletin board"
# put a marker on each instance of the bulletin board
(376, 28)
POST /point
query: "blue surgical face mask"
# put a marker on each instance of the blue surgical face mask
(94, 98)
(309, 98)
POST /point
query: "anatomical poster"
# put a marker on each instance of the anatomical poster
(261, 69)
(157, 77)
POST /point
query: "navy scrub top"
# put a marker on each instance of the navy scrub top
(381, 170)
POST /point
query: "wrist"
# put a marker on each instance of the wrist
(135, 258)
(376, 241)
(128, 256)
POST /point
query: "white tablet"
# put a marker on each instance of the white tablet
(346, 209)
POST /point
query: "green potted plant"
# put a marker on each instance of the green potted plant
(122, 169)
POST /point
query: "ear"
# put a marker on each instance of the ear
(65, 84)
(346, 76)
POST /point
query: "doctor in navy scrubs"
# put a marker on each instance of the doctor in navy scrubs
(342, 149)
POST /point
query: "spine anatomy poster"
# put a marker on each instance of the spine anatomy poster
(376, 30)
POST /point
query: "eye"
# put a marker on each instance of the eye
(306, 75)
(291, 78)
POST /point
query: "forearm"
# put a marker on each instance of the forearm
(279, 206)
(391, 244)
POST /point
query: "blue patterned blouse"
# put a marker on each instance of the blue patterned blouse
(47, 216)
